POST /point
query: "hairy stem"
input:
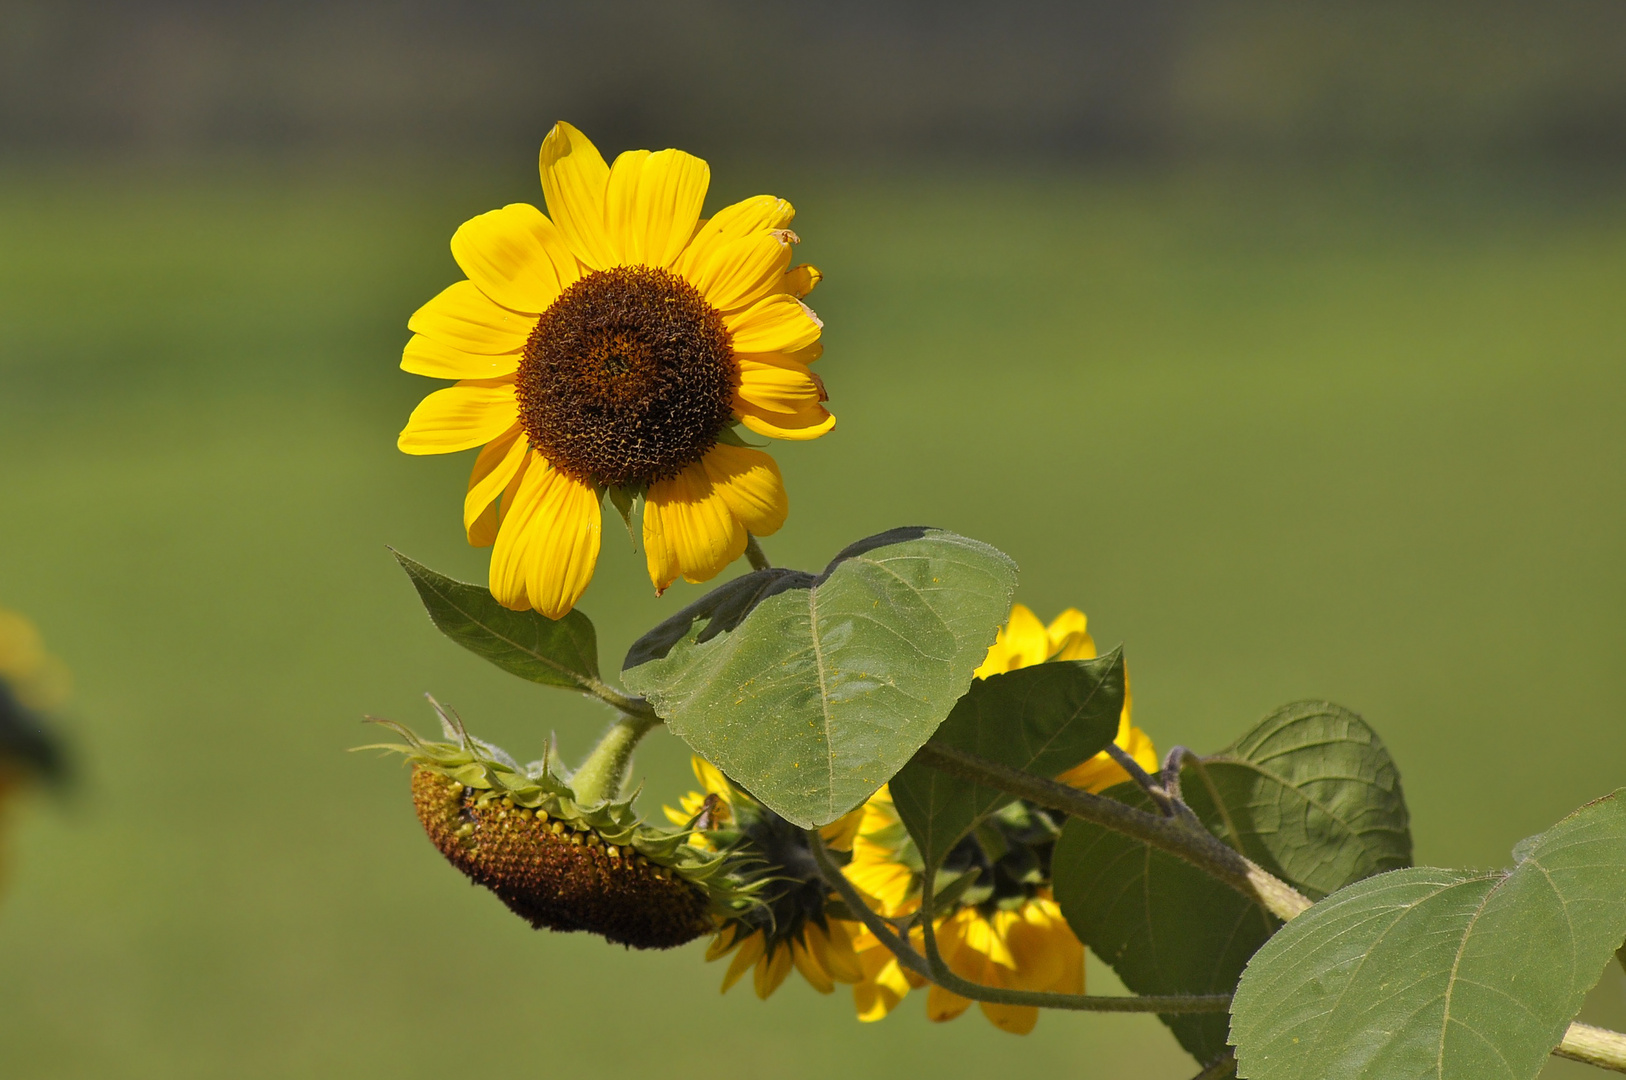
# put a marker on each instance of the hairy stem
(939, 973)
(754, 553)
(1176, 836)
(1594, 1045)
(632, 706)
(603, 774)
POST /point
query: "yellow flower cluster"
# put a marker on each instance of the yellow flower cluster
(1028, 946)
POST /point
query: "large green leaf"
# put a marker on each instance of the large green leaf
(1163, 925)
(553, 652)
(811, 692)
(1310, 793)
(1451, 974)
(1042, 719)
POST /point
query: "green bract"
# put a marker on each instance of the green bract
(811, 692)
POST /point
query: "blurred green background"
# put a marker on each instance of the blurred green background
(1287, 424)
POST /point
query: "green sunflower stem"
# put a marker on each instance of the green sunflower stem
(754, 553)
(932, 968)
(604, 773)
(1176, 836)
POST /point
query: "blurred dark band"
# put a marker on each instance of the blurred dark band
(840, 80)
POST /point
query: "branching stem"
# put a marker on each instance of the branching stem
(1177, 836)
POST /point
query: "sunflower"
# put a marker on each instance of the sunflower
(790, 928)
(614, 346)
(1005, 930)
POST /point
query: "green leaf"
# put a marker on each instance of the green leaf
(1163, 925)
(561, 652)
(1453, 974)
(811, 692)
(1310, 793)
(1042, 719)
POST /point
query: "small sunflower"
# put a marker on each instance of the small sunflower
(1005, 930)
(789, 927)
(611, 347)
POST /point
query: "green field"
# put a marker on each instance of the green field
(1282, 436)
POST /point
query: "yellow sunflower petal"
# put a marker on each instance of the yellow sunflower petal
(1069, 636)
(749, 953)
(515, 256)
(509, 553)
(574, 179)
(778, 385)
(741, 272)
(808, 965)
(710, 776)
(839, 834)
(798, 426)
(883, 985)
(771, 971)
(942, 1005)
(759, 213)
(777, 323)
(801, 280)
(565, 550)
(496, 465)
(749, 482)
(689, 529)
(652, 204)
(465, 318)
(834, 948)
(425, 357)
(986, 936)
(548, 543)
(724, 942)
(1016, 1019)
(460, 417)
(1021, 643)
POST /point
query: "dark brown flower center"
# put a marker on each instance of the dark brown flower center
(627, 378)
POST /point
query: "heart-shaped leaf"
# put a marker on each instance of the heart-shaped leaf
(553, 652)
(1452, 974)
(1042, 719)
(1310, 794)
(811, 692)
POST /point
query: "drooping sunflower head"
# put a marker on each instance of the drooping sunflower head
(519, 831)
(615, 346)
